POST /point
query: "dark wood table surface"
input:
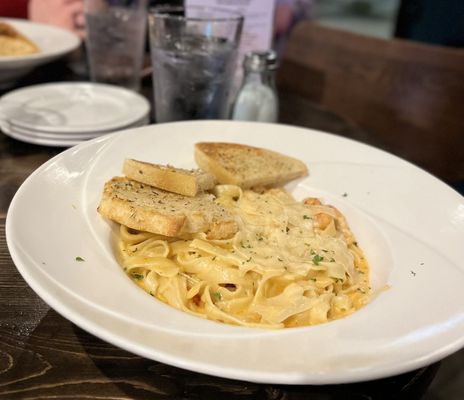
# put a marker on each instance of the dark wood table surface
(44, 356)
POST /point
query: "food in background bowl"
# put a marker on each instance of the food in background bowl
(13, 43)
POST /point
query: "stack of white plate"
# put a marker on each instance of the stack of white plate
(65, 114)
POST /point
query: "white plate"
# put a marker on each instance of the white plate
(410, 225)
(71, 135)
(56, 140)
(41, 141)
(8, 127)
(73, 107)
(53, 43)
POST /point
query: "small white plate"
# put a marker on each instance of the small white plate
(73, 107)
(56, 139)
(9, 127)
(41, 141)
(410, 225)
(53, 43)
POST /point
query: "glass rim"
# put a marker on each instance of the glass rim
(162, 11)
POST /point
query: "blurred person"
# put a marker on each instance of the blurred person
(287, 14)
(438, 22)
(67, 14)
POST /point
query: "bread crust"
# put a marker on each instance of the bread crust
(247, 166)
(176, 180)
(146, 208)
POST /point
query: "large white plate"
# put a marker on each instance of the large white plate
(53, 43)
(410, 225)
(73, 107)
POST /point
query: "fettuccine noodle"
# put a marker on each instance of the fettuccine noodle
(290, 264)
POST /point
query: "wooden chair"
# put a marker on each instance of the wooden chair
(407, 96)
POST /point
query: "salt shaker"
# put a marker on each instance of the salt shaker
(257, 98)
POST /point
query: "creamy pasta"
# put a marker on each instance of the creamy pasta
(290, 264)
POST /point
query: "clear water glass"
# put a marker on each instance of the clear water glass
(115, 41)
(193, 52)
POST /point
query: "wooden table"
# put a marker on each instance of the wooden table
(43, 355)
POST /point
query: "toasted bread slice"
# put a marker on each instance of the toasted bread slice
(146, 208)
(247, 166)
(13, 43)
(177, 180)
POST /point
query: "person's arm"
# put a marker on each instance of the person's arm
(67, 14)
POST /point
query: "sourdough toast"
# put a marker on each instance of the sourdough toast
(247, 166)
(176, 180)
(146, 208)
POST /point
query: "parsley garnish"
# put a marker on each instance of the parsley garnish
(317, 259)
(306, 217)
(218, 295)
(137, 277)
(79, 258)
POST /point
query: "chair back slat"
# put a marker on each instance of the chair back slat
(409, 96)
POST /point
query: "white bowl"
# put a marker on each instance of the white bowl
(53, 43)
(409, 224)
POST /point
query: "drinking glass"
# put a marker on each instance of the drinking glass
(193, 52)
(115, 40)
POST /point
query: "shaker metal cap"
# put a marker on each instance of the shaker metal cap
(258, 61)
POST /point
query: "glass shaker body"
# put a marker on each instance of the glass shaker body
(257, 98)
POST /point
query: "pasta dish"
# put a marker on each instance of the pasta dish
(289, 264)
